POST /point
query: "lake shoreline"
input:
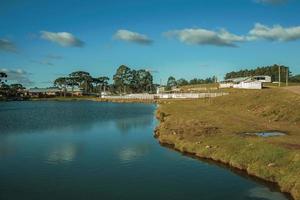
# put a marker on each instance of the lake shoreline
(208, 139)
(237, 171)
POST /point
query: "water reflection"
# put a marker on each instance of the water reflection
(265, 193)
(62, 154)
(130, 154)
(20, 117)
(6, 151)
(127, 124)
(7, 148)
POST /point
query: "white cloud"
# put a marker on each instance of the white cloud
(7, 46)
(64, 39)
(130, 36)
(206, 37)
(17, 76)
(274, 33)
(274, 2)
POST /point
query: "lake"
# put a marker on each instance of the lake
(91, 150)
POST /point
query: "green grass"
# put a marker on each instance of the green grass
(283, 84)
(212, 129)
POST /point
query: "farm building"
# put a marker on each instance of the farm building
(75, 91)
(263, 79)
(254, 82)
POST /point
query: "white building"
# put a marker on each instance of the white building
(263, 79)
(249, 85)
(160, 89)
(255, 82)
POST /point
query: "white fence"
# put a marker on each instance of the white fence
(167, 96)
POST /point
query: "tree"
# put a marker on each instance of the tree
(3, 77)
(62, 83)
(83, 80)
(171, 82)
(295, 79)
(214, 79)
(122, 78)
(17, 86)
(182, 82)
(135, 81)
(101, 83)
(72, 82)
(143, 80)
(104, 81)
(16, 89)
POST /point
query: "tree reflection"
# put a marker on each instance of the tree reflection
(127, 124)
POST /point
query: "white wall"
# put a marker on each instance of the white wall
(226, 85)
(249, 85)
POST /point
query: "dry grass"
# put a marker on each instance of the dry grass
(212, 129)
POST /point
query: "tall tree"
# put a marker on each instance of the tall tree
(83, 79)
(72, 82)
(145, 80)
(123, 78)
(3, 77)
(62, 83)
(4, 88)
(16, 89)
(101, 83)
(171, 82)
(135, 81)
(182, 82)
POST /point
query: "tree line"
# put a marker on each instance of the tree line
(9, 90)
(172, 82)
(125, 80)
(82, 80)
(272, 71)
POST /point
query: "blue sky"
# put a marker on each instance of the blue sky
(40, 40)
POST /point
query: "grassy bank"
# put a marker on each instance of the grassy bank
(214, 129)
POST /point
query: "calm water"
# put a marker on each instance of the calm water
(90, 150)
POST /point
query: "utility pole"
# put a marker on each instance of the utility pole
(287, 76)
(279, 75)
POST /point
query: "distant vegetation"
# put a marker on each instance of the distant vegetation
(82, 80)
(272, 71)
(172, 82)
(125, 80)
(12, 90)
(295, 79)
